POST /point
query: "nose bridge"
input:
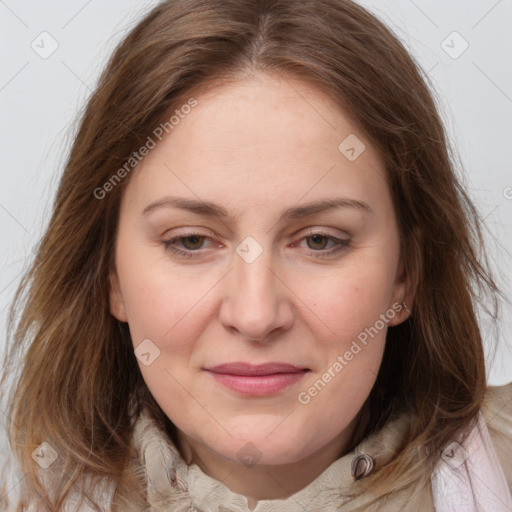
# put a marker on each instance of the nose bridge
(254, 303)
(253, 274)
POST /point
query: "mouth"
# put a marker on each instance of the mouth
(257, 380)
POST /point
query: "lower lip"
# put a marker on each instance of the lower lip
(258, 385)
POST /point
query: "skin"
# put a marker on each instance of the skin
(256, 146)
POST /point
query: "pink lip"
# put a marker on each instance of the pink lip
(257, 380)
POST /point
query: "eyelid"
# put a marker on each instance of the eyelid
(210, 234)
(340, 243)
(324, 232)
(186, 232)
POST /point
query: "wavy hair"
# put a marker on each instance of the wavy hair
(76, 382)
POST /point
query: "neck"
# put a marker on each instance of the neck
(265, 482)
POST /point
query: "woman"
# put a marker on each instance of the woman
(258, 287)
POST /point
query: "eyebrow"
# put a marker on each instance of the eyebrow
(209, 209)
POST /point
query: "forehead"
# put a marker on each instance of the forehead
(251, 110)
(261, 139)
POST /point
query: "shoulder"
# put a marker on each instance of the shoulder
(497, 412)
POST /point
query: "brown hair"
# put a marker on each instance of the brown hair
(78, 376)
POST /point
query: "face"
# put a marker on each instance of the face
(294, 260)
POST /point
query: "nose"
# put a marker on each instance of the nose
(256, 302)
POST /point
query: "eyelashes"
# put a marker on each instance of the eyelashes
(173, 244)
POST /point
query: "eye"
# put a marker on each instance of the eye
(319, 240)
(191, 242)
(187, 244)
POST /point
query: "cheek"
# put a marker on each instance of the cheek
(337, 391)
(161, 300)
(347, 300)
(351, 313)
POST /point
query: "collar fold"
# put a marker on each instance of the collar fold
(174, 485)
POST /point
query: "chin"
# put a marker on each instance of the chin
(263, 449)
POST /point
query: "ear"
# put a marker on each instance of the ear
(404, 292)
(117, 307)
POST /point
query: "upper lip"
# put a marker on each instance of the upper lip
(241, 368)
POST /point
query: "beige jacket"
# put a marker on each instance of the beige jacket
(172, 486)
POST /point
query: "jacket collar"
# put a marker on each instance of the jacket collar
(171, 482)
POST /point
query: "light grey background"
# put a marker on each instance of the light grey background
(40, 98)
